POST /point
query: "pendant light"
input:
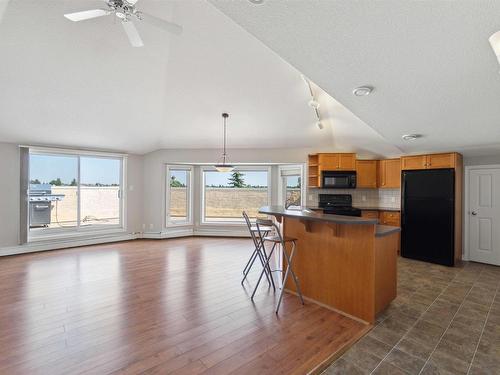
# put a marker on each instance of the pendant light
(223, 167)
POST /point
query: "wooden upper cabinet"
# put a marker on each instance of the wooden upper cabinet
(347, 162)
(430, 161)
(389, 174)
(328, 162)
(313, 171)
(437, 161)
(414, 162)
(337, 162)
(366, 171)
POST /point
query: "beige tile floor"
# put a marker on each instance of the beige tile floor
(444, 321)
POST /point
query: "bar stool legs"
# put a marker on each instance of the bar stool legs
(289, 267)
(289, 270)
(266, 266)
(258, 233)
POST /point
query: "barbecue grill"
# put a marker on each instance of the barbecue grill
(40, 204)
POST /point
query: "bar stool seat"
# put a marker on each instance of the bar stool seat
(262, 229)
(277, 239)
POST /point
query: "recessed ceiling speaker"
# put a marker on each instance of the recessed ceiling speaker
(362, 91)
(411, 137)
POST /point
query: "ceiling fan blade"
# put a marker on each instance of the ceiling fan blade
(161, 23)
(87, 14)
(132, 33)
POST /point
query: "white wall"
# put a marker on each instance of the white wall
(9, 191)
(482, 160)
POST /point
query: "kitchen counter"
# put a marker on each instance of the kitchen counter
(395, 209)
(309, 214)
(385, 230)
(372, 208)
(344, 262)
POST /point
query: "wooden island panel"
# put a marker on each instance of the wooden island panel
(336, 268)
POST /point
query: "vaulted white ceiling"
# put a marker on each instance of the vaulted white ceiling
(82, 84)
(430, 62)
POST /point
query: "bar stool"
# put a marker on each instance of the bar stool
(259, 249)
(278, 239)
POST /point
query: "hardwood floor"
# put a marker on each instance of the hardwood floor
(157, 307)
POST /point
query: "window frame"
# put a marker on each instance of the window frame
(190, 195)
(242, 168)
(78, 230)
(282, 185)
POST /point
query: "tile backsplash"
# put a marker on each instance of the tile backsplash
(390, 198)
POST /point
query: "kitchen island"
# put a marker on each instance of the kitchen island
(345, 263)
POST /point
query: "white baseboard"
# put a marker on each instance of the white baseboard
(171, 233)
(221, 232)
(63, 244)
(76, 242)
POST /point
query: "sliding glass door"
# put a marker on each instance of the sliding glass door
(71, 193)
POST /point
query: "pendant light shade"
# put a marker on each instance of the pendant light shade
(224, 167)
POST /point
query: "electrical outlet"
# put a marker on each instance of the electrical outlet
(363, 198)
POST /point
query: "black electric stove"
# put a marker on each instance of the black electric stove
(338, 204)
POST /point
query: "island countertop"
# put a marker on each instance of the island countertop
(307, 214)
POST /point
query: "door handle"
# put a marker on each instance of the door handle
(473, 213)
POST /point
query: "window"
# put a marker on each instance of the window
(179, 195)
(226, 195)
(291, 185)
(74, 192)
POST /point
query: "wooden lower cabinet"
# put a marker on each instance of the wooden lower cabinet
(392, 218)
(370, 214)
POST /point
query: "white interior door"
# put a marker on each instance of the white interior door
(484, 215)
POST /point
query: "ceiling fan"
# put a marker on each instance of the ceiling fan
(126, 12)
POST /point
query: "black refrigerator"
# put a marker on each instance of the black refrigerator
(428, 215)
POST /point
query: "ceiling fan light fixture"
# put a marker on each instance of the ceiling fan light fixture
(495, 44)
(125, 11)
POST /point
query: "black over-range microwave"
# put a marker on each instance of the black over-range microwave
(338, 179)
